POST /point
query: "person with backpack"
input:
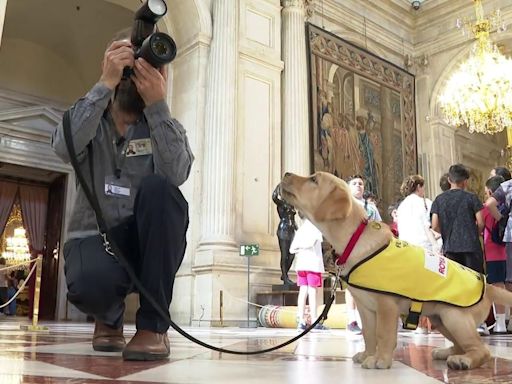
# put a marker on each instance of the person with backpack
(499, 207)
(494, 250)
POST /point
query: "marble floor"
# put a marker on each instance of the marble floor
(64, 355)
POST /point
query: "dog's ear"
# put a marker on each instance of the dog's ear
(336, 205)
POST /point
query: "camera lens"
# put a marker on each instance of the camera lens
(158, 49)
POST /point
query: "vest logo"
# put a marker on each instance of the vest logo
(442, 266)
(436, 264)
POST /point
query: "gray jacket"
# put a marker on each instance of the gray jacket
(171, 156)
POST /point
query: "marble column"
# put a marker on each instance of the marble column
(3, 7)
(387, 127)
(295, 124)
(218, 177)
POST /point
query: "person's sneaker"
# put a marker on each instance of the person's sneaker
(421, 331)
(107, 339)
(320, 327)
(147, 345)
(301, 327)
(483, 330)
(354, 328)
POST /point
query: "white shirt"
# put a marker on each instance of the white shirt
(413, 220)
(307, 247)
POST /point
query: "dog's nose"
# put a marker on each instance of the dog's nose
(287, 174)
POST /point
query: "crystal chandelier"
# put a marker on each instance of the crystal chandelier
(17, 249)
(479, 94)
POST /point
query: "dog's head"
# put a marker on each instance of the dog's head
(320, 197)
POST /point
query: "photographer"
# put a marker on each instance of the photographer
(143, 203)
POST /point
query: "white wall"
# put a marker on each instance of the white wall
(34, 69)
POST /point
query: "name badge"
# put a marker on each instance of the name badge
(117, 187)
(139, 147)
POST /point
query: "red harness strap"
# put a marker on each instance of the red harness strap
(352, 243)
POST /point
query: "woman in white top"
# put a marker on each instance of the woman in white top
(309, 264)
(413, 214)
(413, 221)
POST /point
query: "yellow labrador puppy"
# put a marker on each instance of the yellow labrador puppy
(327, 202)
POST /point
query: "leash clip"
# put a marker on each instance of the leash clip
(106, 245)
(337, 280)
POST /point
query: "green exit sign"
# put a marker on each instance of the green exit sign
(249, 250)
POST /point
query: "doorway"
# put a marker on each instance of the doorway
(31, 213)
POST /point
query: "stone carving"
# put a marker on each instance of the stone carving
(285, 233)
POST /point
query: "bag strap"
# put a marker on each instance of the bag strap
(90, 194)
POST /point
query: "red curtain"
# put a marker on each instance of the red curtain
(34, 207)
(7, 196)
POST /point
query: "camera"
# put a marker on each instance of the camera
(157, 48)
(416, 4)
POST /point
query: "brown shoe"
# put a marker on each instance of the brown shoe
(147, 345)
(107, 339)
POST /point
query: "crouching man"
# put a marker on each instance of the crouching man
(139, 155)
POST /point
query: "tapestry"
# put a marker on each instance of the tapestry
(362, 115)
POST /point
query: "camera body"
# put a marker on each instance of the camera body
(157, 48)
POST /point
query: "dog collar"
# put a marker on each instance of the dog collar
(352, 243)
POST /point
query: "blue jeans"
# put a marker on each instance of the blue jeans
(11, 291)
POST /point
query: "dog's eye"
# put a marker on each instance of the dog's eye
(313, 179)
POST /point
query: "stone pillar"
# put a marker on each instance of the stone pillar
(218, 177)
(295, 125)
(387, 193)
(3, 8)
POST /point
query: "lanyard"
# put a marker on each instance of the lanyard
(118, 157)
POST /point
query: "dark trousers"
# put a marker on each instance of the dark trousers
(153, 242)
(3, 296)
(473, 260)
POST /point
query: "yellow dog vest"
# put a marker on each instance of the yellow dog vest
(417, 274)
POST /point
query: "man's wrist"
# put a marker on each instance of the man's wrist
(110, 84)
(154, 101)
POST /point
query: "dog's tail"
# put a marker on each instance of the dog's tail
(499, 295)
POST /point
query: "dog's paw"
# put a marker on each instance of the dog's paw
(359, 357)
(373, 362)
(459, 362)
(369, 363)
(442, 353)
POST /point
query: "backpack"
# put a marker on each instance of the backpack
(498, 229)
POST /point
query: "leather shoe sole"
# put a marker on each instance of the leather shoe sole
(144, 356)
(107, 347)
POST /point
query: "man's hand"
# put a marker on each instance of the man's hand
(117, 56)
(150, 82)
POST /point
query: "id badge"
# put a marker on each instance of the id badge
(117, 187)
(139, 147)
